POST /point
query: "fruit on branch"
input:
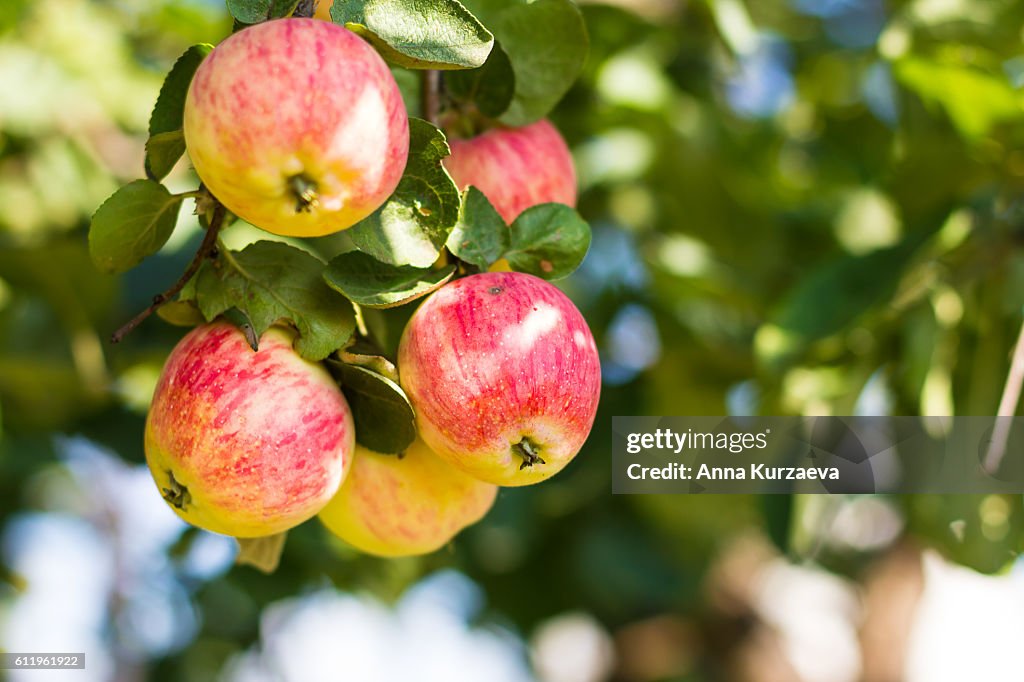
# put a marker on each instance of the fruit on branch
(504, 375)
(246, 443)
(297, 126)
(402, 506)
(516, 168)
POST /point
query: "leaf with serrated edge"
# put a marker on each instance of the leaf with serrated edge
(480, 236)
(413, 224)
(383, 416)
(548, 240)
(368, 282)
(490, 88)
(133, 223)
(272, 282)
(166, 141)
(441, 34)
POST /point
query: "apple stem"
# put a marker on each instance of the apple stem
(176, 495)
(527, 450)
(305, 192)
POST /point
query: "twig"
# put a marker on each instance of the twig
(1007, 408)
(307, 8)
(430, 95)
(204, 251)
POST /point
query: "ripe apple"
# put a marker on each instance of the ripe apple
(297, 126)
(246, 443)
(504, 375)
(516, 168)
(401, 506)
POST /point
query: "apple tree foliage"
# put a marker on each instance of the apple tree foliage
(847, 239)
(425, 234)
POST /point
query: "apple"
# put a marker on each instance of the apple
(297, 126)
(516, 168)
(405, 505)
(242, 442)
(504, 376)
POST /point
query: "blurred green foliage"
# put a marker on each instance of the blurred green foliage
(795, 211)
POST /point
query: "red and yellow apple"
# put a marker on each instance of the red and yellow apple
(405, 505)
(504, 375)
(297, 126)
(516, 168)
(242, 442)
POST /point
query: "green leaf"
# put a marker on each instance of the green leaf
(181, 313)
(548, 240)
(368, 282)
(831, 297)
(490, 87)
(166, 141)
(412, 226)
(440, 34)
(163, 151)
(133, 223)
(383, 416)
(480, 236)
(546, 42)
(262, 553)
(255, 11)
(975, 101)
(272, 282)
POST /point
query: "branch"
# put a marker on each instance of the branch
(430, 95)
(307, 8)
(1007, 408)
(205, 249)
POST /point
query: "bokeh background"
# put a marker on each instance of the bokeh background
(799, 207)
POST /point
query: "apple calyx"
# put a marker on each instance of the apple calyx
(527, 449)
(176, 495)
(305, 191)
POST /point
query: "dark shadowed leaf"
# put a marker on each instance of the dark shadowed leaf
(490, 87)
(384, 418)
(546, 42)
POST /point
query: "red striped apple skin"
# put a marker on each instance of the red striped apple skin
(261, 440)
(405, 506)
(492, 359)
(297, 98)
(516, 168)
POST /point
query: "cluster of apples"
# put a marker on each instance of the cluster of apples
(297, 126)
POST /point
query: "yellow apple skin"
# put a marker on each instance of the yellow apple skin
(297, 126)
(246, 443)
(323, 10)
(393, 506)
